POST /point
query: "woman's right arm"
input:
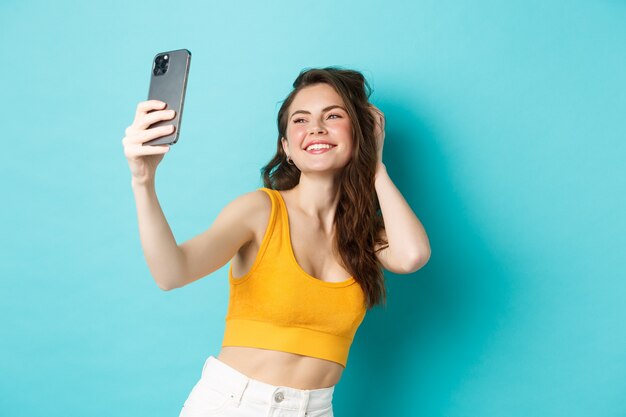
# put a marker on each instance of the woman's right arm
(173, 266)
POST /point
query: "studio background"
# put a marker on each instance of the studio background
(505, 133)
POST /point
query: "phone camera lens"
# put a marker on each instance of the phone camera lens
(160, 65)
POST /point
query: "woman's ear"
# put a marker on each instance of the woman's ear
(285, 145)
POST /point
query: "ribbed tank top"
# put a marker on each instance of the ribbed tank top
(277, 305)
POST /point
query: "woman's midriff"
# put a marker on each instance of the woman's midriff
(282, 368)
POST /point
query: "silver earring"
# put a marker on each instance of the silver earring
(289, 161)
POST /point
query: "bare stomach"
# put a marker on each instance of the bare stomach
(282, 368)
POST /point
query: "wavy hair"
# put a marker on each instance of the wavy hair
(358, 219)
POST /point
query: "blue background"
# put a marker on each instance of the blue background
(505, 133)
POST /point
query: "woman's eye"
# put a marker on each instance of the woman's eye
(297, 120)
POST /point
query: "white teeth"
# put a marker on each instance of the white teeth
(319, 146)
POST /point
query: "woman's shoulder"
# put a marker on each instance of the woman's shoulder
(256, 209)
(255, 205)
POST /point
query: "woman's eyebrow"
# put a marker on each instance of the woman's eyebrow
(323, 110)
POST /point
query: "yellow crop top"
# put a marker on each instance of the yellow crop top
(277, 305)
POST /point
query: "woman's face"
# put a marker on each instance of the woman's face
(318, 114)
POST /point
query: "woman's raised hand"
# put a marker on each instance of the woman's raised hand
(379, 130)
(143, 160)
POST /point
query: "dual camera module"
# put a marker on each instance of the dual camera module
(161, 63)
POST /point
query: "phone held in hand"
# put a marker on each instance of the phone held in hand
(168, 83)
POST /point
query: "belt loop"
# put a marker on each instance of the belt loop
(304, 404)
(238, 392)
(206, 362)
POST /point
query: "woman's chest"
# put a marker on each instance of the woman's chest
(311, 247)
(314, 252)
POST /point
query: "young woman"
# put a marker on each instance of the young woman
(306, 250)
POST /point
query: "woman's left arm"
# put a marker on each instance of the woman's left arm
(409, 248)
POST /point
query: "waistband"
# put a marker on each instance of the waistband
(237, 385)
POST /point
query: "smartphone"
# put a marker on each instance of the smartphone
(168, 83)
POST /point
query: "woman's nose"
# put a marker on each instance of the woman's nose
(316, 129)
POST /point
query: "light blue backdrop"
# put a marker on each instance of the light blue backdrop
(505, 132)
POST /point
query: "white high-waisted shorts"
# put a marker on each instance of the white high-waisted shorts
(224, 391)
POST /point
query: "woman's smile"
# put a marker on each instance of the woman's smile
(318, 149)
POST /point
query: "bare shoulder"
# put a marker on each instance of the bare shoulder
(253, 208)
(253, 199)
(257, 201)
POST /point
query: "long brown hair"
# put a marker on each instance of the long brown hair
(358, 219)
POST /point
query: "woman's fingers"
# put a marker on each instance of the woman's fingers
(145, 116)
(134, 151)
(144, 107)
(379, 116)
(134, 136)
(143, 160)
(145, 121)
(150, 112)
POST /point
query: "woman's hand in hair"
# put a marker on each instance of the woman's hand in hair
(379, 130)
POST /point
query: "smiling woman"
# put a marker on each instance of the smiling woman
(330, 106)
(307, 250)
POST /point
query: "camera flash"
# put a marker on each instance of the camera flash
(165, 57)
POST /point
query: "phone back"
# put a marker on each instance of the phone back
(168, 83)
